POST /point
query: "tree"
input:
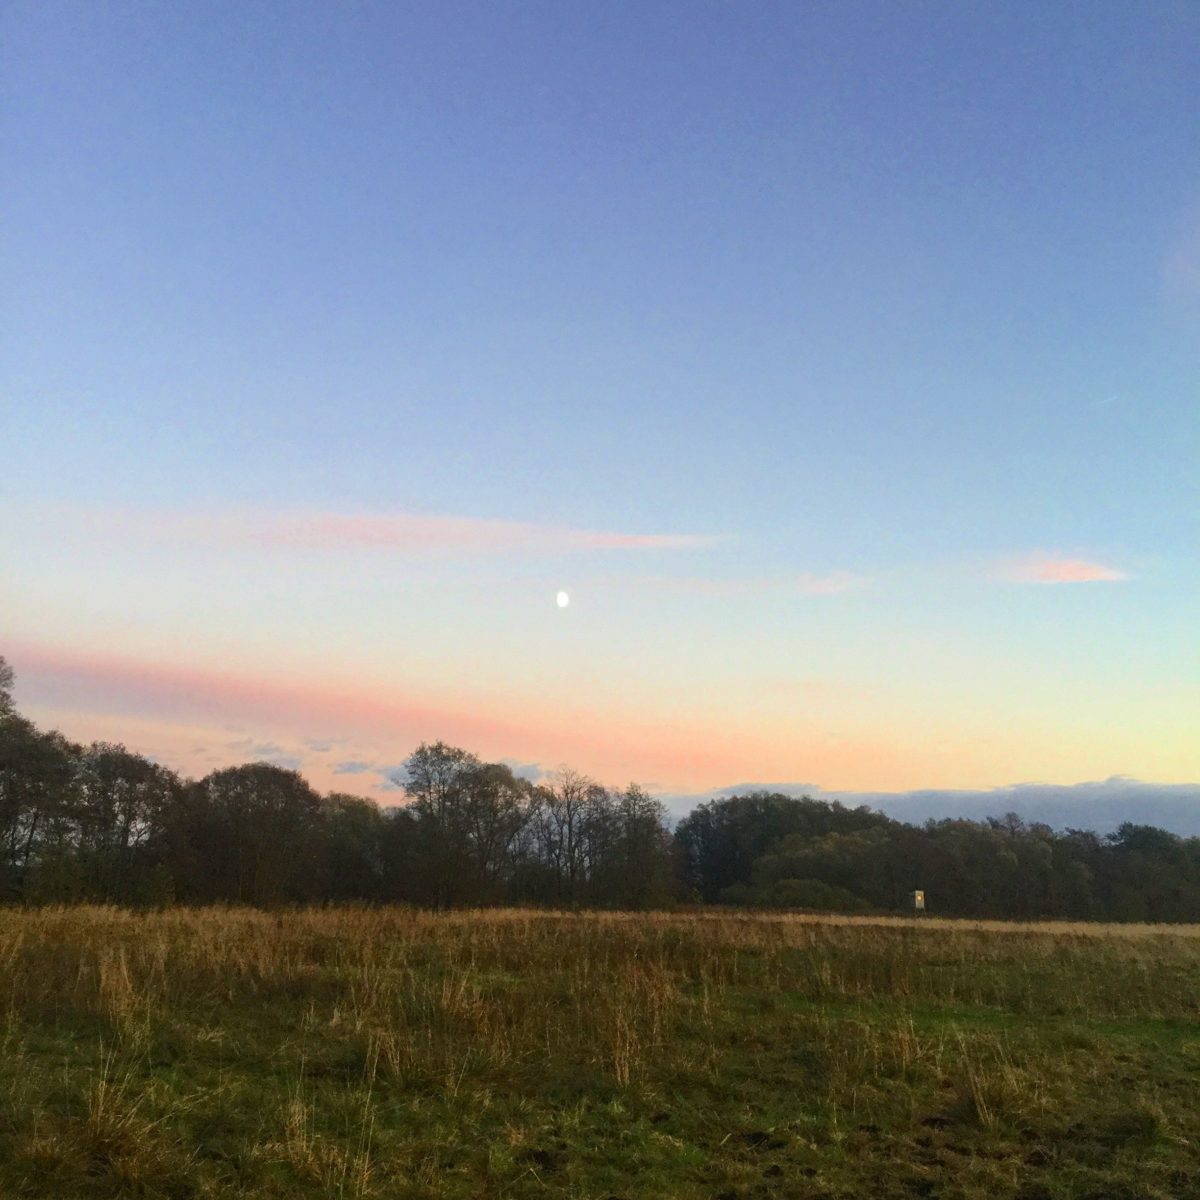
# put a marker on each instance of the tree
(1152, 875)
(720, 841)
(7, 679)
(435, 779)
(352, 837)
(860, 864)
(37, 799)
(401, 879)
(496, 806)
(247, 834)
(642, 865)
(564, 805)
(123, 804)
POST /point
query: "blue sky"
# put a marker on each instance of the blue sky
(890, 315)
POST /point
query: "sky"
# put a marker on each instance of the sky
(839, 361)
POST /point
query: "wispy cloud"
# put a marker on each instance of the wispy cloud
(264, 750)
(413, 532)
(831, 583)
(1181, 270)
(401, 532)
(319, 745)
(835, 583)
(172, 690)
(1041, 567)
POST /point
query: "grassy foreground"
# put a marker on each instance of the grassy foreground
(512, 1054)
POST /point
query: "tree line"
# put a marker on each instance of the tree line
(100, 822)
(103, 823)
(776, 851)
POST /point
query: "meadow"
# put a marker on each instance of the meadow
(356, 1052)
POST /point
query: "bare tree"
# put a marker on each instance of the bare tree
(497, 808)
(563, 818)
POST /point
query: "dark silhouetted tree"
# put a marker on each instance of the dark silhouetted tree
(7, 678)
(124, 800)
(247, 834)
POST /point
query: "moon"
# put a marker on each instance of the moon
(562, 599)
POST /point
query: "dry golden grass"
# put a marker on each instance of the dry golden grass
(357, 1052)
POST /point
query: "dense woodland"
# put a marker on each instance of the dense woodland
(102, 823)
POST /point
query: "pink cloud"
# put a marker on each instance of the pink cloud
(407, 531)
(111, 682)
(100, 691)
(403, 532)
(194, 719)
(1052, 568)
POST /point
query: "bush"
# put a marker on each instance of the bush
(810, 894)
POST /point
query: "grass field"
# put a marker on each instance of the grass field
(388, 1053)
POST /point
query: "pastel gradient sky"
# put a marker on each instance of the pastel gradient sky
(839, 360)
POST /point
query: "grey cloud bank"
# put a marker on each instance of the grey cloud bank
(353, 768)
(526, 770)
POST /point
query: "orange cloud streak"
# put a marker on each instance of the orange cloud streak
(186, 716)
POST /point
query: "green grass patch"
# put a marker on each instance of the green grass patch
(356, 1053)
